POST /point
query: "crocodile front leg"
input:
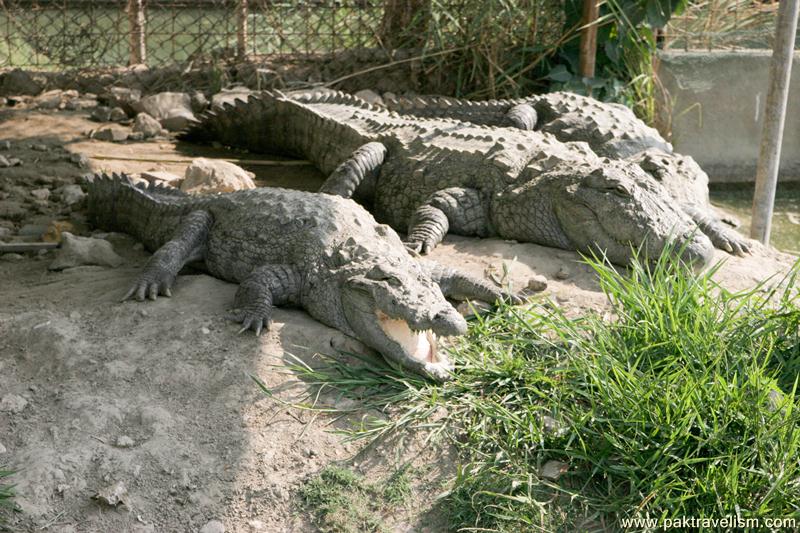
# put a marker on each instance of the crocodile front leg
(162, 268)
(721, 235)
(264, 287)
(461, 210)
(364, 163)
(459, 285)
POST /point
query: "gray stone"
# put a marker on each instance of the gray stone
(13, 403)
(163, 177)
(5, 145)
(370, 96)
(12, 210)
(19, 82)
(14, 162)
(80, 160)
(41, 194)
(172, 110)
(213, 176)
(199, 102)
(553, 470)
(78, 104)
(136, 136)
(101, 113)
(50, 99)
(5, 233)
(124, 441)
(12, 258)
(117, 114)
(147, 125)
(72, 194)
(2, 449)
(77, 251)
(563, 273)
(537, 283)
(179, 120)
(4, 163)
(110, 134)
(39, 147)
(126, 98)
(32, 230)
(214, 526)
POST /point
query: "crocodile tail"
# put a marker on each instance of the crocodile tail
(114, 202)
(246, 124)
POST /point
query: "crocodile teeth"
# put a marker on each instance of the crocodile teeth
(420, 345)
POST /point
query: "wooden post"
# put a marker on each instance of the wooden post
(241, 30)
(136, 17)
(588, 45)
(774, 116)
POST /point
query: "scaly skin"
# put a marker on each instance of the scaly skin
(430, 176)
(320, 252)
(611, 130)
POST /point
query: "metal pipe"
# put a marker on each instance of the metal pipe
(774, 117)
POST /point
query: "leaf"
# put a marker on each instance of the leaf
(560, 74)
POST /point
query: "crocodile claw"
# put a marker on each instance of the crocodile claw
(251, 319)
(150, 285)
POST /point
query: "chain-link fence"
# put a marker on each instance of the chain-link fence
(78, 33)
(724, 25)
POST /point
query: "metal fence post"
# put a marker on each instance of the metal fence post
(241, 30)
(136, 17)
(774, 115)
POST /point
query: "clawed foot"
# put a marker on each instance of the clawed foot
(732, 242)
(256, 318)
(419, 247)
(151, 283)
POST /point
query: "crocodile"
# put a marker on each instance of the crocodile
(611, 130)
(430, 176)
(323, 253)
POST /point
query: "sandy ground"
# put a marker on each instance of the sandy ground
(159, 395)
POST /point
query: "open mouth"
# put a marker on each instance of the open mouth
(419, 345)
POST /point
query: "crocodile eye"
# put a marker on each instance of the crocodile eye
(622, 191)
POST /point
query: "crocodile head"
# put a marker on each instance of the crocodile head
(613, 209)
(397, 309)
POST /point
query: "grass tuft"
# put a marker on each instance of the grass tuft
(6, 496)
(681, 403)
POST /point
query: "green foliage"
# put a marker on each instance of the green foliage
(6, 496)
(343, 502)
(681, 402)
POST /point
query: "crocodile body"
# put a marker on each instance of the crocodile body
(320, 252)
(610, 130)
(428, 176)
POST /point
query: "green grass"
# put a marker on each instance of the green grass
(6, 496)
(680, 402)
(343, 502)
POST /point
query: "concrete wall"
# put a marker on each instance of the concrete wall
(717, 107)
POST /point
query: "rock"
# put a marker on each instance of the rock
(32, 230)
(111, 134)
(5, 233)
(147, 125)
(256, 525)
(2, 449)
(112, 495)
(5, 145)
(179, 120)
(370, 96)
(101, 114)
(77, 251)
(19, 82)
(214, 526)
(172, 110)
(13, 403)
(563, 273)
(12, 258)
(77, 104)
(229, 96)
(80, 160)
(199, 102)
(124, 441)
(117, 115)
(72, 194)
(136, 136)
(212, 175)
(537, 283)
(126, 98)
(388, 95)
(4, 163)
(41, 194)
(162, 177)
(40, 147)
(553, 470)
(14, 162)
(50, 99)
(12, 210)
(12, 101)
(204, 330)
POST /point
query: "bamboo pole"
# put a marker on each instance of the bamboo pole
(774, 116)
(588, 44)
(136, 17)
(241, 30)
